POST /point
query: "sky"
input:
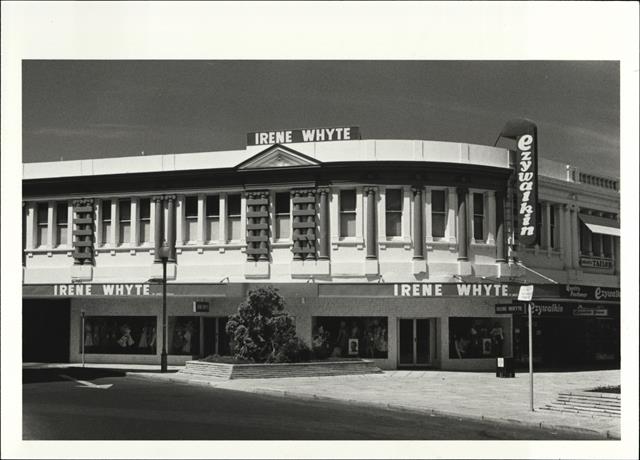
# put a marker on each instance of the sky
(97, 109)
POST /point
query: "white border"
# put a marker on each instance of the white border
(322, 30)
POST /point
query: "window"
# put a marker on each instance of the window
(42, 224)
(62, 216)
(233, 217)
(607, 246)
(477, 337)
(106, 222)
(393, 210)
(438, 213)
(184, 335)
(478, 216)
(345, 336)
(212, 212)
(145, 220)
(191, 218)
(120, 334)
(596, 244)
(125, 221)
(347, 213)
(585, 240)
(283, 216)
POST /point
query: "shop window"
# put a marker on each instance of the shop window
(62, 223)
(184, 335)
(125, 221)
(347, 213)
(283, 216)
(438, 213)
(42, 224)
(212, 211)
(145, 220)
(350, 336)
(393, 210)
(477, 337)
(478, 216)
(106, 222)
(191, 218)
(120, 334)
(233, 217)
(607, 246)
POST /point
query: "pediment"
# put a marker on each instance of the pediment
(278, 156)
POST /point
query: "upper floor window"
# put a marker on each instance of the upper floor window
(106, 222)
(393, 212)
(552, 227)
(233, 216)
(212, 212)
(145, 220)
(191, 218)
(62, 217)
(124, 221)
(347, 213)
(478, 216)
(283, 216)
(42, 222)
(438, 213)
(539, 223)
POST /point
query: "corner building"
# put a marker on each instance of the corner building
(402, 251)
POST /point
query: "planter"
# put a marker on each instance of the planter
(280, 370)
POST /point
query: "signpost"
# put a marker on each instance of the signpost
(525, 295)
(83, 337)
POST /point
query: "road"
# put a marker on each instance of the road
(58, 407)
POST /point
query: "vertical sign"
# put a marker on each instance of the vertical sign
(525, 134)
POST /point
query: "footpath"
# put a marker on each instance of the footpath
(472, 395)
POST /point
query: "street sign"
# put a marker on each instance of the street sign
(526, 293)
(200, 306)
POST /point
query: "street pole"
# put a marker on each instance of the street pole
(163, 356)
(83, 338)
(530, 356)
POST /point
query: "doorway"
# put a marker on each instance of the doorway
(215, 340)
(416, 342)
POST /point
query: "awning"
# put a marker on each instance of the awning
(601, 225)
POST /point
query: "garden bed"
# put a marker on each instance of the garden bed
(230, 371)
(614, 389)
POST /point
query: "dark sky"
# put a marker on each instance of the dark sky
(94, 109)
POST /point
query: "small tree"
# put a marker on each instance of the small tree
(262, 331)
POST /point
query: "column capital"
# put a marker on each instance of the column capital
(415, 189)
(323, 190)
(170, 197)
(462, 190)
(370, 189)
(156, 198)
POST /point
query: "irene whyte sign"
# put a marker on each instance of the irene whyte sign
(303, 135)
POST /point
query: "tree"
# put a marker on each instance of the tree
(262, 330)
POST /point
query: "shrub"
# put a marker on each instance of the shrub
(262, 331)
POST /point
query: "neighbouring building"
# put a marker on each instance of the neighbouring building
(403, 251)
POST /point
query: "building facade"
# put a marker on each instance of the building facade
(402, 251)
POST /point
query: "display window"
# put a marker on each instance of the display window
(350, 336)
(120, 334)
(477, 337)
(184, 335)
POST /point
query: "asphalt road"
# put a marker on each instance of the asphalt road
(56, 407)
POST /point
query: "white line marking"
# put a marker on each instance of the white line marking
(85, 384)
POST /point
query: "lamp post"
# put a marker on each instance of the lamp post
(163, 255)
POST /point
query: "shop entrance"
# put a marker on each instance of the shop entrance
(215, 340)
(416, 340)
(46, 330)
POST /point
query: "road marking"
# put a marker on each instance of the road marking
(85, 384)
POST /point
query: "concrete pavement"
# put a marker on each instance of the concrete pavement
(462, 394)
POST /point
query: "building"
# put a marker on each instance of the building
(402, 251)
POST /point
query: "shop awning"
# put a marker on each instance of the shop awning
(601, 225)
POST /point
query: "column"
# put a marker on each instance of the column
(115, 222)
(491, 217)
(451, 216)
(428, 216)
(171, 227)
(418, 238)
(371, 222)
(323, 250)
(201, 232)
(180, 220)
(575, 238)
(566, 234)
(51, 224)
(462, 223)
(500, 237)
(30, 227)
(157, 226)
(70, 225)
(546, 225)
(588, 240)
(135, 218)
(223, 219)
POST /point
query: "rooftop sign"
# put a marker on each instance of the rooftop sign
(304, 135)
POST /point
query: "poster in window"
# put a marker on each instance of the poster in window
(354, 347)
